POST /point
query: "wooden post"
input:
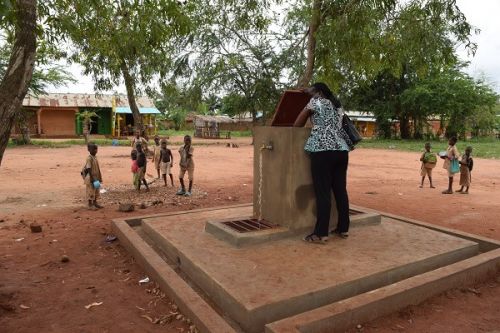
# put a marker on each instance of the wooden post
(39, 121)
(113, 115)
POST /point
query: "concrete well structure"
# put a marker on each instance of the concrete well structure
(283, 193)
(286, 190)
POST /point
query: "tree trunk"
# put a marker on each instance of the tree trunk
(404, 128)
(130, 85)
(86, 130)
(25, 134)
(22, 126)
(14, 85)
(306, 77)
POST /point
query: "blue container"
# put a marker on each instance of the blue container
(97, 184)
(114, 142)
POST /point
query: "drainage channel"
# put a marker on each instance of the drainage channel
(249, 225)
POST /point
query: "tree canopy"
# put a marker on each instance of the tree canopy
(243, 54)
(120, 40)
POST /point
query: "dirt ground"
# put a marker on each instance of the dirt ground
(40, 293)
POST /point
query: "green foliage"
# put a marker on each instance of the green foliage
(175, 103)
(231, 49)
(234, 104)
(360, 39)
(110, 35)
(462, 103)
(46, 71)
(87, 115)
(181, 133)
(178, 116)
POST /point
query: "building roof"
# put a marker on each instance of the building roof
(361, 116)
(83, 100)
(213, 119)
(126, 109)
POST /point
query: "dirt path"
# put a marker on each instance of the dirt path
(44, 185)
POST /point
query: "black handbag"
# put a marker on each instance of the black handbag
(351, 130)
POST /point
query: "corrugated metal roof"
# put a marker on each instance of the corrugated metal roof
(83, 100)
(126, 109)
(214, 119)
(361, 116)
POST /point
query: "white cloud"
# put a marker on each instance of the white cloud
(484, 14)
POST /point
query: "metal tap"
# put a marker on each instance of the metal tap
(268, 146)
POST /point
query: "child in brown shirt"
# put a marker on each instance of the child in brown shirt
(92, 177)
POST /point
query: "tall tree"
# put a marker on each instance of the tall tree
(233, 49)
(15, 82)
(122, 39)
(349, 39)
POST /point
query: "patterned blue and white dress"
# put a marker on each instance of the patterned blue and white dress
(327, 132)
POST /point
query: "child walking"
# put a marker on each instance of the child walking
(141, 164)
(428, 163)
(186, 164)
(156, 155)
(466, 164)
(91, 174)
(166, 162)
(134, 168)
(450, 160)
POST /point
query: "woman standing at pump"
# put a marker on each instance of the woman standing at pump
(328, 147)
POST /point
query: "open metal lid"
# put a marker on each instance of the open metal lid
(292, 102)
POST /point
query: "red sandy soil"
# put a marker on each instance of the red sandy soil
(44, 186)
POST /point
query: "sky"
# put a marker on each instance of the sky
(482, 14)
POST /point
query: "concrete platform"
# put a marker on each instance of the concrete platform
(261, 284)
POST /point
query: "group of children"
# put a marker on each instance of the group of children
(163, 161)
(452, 163)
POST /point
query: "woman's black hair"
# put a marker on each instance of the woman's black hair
(323, 88)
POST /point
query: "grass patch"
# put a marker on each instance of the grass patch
(47, 143)
(234, 134)
(482, 147)
(172, 132)
(76, 142)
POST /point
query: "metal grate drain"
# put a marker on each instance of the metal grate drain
(249, 225)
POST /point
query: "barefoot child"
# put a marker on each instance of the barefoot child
(141, 172)
(156, 155)
(186, 164)
(466, 164)
(134, 168)
(428, 163)
(450, 160)
(91, 174)
(139, 139)
(166, 162)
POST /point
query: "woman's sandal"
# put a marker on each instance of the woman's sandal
(447, 192)
(313, 238)
(340, 234)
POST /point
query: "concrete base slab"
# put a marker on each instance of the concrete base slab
(261, 284)
(293, 286)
